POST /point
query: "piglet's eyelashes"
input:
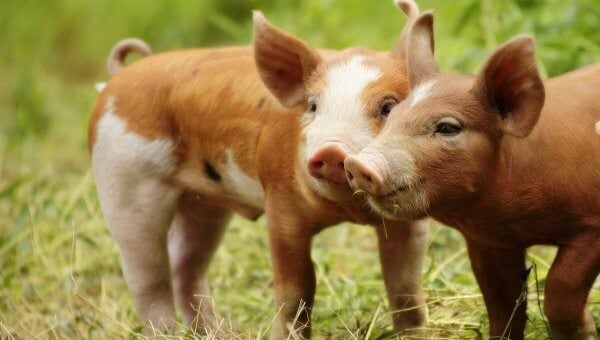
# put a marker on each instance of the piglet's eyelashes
(448, 127)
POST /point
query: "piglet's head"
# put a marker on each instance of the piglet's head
(346, 96)
(441, 148)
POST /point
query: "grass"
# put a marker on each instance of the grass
(59, 268)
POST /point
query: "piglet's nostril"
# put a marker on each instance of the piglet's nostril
(363, 176)
(316, 165)
(315, 168)
(327, 162)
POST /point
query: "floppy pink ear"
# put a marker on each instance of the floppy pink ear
(411, 10)
(284, 62)
(510, 84)
(419, 55)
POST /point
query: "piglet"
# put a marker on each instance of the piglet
(508, 160)
(181, 140)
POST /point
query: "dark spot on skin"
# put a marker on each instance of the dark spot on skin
(211, 172)
(260, 103)
(195, 72)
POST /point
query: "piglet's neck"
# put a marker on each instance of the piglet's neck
(516, 173)
(511, 188)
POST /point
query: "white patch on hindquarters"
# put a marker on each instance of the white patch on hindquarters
(421, 93)
(138, 206)
(117, 149)
(241, 186)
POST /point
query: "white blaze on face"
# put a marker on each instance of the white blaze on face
(341, 112)
(421, 93)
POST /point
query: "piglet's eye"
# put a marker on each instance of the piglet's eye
(448, 127)
(386, 106)
(312, 105)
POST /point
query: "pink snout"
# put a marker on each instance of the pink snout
(327, 162)
(363, 175)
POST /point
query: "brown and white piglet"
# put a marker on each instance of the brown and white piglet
(180, 140)
(510, 162)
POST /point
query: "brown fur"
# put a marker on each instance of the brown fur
(210, 100)
(514, 176)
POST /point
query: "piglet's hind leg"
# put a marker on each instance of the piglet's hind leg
(193, 238)
(138, 212)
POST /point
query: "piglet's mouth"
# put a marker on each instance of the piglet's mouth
(385, 197)
(392, 193)
(332, 183)
(394, 196)
(390, 196)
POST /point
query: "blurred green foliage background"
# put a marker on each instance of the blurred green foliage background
(51, 52)
(51, 231)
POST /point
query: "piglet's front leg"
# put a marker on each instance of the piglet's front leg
(568, 285)
(293, 270)
(499, 273)
(402, 250)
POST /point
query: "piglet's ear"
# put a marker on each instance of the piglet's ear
(510, 84)
(283, 61)
(411, 10)
(419, 55)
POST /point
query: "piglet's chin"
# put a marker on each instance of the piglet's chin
(332, 191)
(408, 207)
(382, 208)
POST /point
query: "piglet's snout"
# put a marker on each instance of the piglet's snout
(363, 175)
(327, 162)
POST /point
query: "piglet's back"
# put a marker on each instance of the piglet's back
(564, 145)
(162, 93)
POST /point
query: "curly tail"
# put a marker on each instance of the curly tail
(116, 58)
(410, 9)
